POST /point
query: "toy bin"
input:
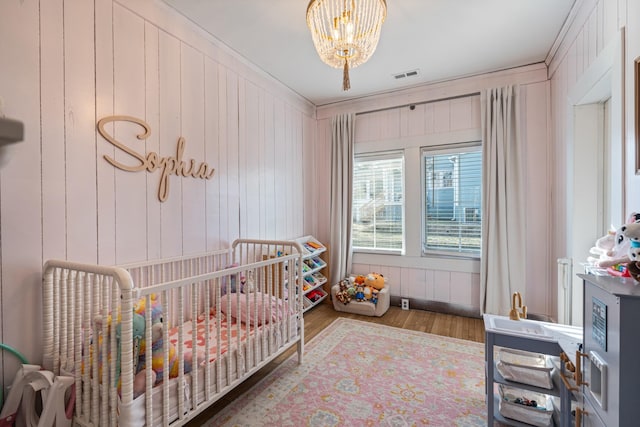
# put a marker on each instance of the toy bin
(526, 406)
(525, 367)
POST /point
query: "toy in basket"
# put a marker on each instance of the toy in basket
(526, 406)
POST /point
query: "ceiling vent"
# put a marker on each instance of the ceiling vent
(411, 73)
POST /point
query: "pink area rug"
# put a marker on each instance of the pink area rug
(357, 373)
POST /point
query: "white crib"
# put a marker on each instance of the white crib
(213, 339)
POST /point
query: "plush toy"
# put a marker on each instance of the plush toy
(615, 247)
(374, 296)
(342, 294)
(374, 280)
(157, 342)
(351, 291)
(359, 293)
(138, 328)
(246, 283)
(631, 232)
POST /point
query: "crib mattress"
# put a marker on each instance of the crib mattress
(234, 340)
(229, 335)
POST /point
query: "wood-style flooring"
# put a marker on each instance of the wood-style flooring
(318, 318)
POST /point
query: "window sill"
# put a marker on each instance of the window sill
(454, 264)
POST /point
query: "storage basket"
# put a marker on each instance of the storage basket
(525, 367)
(517, 404)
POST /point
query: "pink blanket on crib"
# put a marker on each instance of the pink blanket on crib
(227, 330)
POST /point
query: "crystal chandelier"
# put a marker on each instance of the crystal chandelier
(346, 32)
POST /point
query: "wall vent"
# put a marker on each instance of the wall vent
(405, 74)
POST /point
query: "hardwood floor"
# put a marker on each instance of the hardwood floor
(318, 318)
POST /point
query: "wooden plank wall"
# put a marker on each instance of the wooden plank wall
(72, 62)
(442, 115)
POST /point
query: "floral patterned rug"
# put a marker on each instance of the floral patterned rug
(358, 373)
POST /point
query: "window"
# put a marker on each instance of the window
(378, 202)
(452, 194)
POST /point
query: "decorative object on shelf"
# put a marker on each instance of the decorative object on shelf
(346, 32)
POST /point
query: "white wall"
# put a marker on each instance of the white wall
(593, 63)
(70, 63)
(447, 113)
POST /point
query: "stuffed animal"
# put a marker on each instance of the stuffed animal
(359, 280)
(342, 294)
(138, 328)
(246, 284)
(374, 280)
(359, 293)
(616, 246)
(631, 232)
(374, 296)
(157, 342)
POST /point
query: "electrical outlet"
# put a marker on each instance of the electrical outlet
(405, 303)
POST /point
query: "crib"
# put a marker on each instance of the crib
(156, 343)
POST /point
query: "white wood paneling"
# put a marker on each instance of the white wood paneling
(169, 131)
(539, 268)
(72, 63)
(54, 224)
(212, 150)
(269, 179)
(105, 173)
(192, 110)
(20, 184)
(442, 286)
(79, 86)
(437, 122)
(129, 99)
(250, 160)
(152, 117)
(233, 173)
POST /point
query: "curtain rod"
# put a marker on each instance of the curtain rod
(413, 104)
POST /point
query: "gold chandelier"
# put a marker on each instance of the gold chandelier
(346, 32)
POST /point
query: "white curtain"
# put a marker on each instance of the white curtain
(503, 247)
(342, 142)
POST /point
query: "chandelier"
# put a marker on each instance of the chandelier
(346, 32)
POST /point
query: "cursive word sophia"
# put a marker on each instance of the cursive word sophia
(170, 165)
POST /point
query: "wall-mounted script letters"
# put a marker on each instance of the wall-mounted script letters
(172, 165)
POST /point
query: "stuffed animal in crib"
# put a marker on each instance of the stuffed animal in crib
(157, 341)
(138, 330)
(157, 355)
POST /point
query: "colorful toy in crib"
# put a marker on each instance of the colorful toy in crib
(105, 323)
(246, 283)
(157, 345)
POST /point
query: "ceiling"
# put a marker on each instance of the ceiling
(442, 39)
